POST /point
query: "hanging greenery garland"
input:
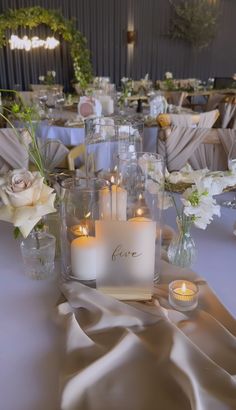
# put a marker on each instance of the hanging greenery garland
(195, 21)
(34, 16)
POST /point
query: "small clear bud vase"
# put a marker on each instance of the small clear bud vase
(182, 249)
(38, 254)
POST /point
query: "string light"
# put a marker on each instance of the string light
(27, 44)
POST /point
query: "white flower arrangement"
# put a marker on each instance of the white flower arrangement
(198, 202)
(168, 75)
(49, 78)
(25, 199)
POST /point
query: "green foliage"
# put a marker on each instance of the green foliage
(34, 16)
(195, 21)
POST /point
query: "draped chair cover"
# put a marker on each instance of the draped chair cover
(202, 120)
(13, 150)
(188, 145)
(228, 115)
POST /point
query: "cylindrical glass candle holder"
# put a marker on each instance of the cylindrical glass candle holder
(108, 137)
(79, 210)
(183, 295)
(128, 235)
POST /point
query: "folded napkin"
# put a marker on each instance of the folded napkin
(75, 122)
(53, 153)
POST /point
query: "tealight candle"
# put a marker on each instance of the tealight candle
(183, 295)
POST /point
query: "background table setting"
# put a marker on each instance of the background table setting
(111, 318)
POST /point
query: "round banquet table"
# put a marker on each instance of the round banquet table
(72, 136)
(32, 344)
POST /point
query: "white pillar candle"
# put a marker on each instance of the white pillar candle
(105, 203)
(107, 104)
(83, 257)
(113, 203)
(119, 203)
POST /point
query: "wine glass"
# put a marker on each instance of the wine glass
(232, 167)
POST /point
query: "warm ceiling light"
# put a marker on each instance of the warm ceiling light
(131, 36)
(27, 44)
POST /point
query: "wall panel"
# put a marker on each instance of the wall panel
(104, 23)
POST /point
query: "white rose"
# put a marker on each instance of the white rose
(41, 78)
(53, 73)
(25, 199)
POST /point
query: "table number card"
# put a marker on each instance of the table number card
(126, 258)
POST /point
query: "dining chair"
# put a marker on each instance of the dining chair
(202, 147)
(77, 152)
(13, 149)
(228, 113)
(203, 120)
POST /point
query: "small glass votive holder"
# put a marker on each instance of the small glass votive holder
(183, 295)
(38, 254)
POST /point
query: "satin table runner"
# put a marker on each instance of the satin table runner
(143, 356)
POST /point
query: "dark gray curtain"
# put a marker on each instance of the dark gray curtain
(104, 23)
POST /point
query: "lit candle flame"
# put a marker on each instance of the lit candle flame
(112, 179)
(139, 212)
(183, 287)
(87, 215)
(79, 230)
(140, 197)
(84, 231)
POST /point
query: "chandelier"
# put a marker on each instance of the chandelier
(28, 44)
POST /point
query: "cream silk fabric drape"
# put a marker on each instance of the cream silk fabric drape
(142, 356)
(180, 145)
(13, 150)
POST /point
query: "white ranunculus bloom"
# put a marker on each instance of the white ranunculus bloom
(25, 199)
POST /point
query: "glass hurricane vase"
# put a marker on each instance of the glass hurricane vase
(182, 249)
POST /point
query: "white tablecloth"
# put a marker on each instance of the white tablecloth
(32, 338)
(75, 136)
